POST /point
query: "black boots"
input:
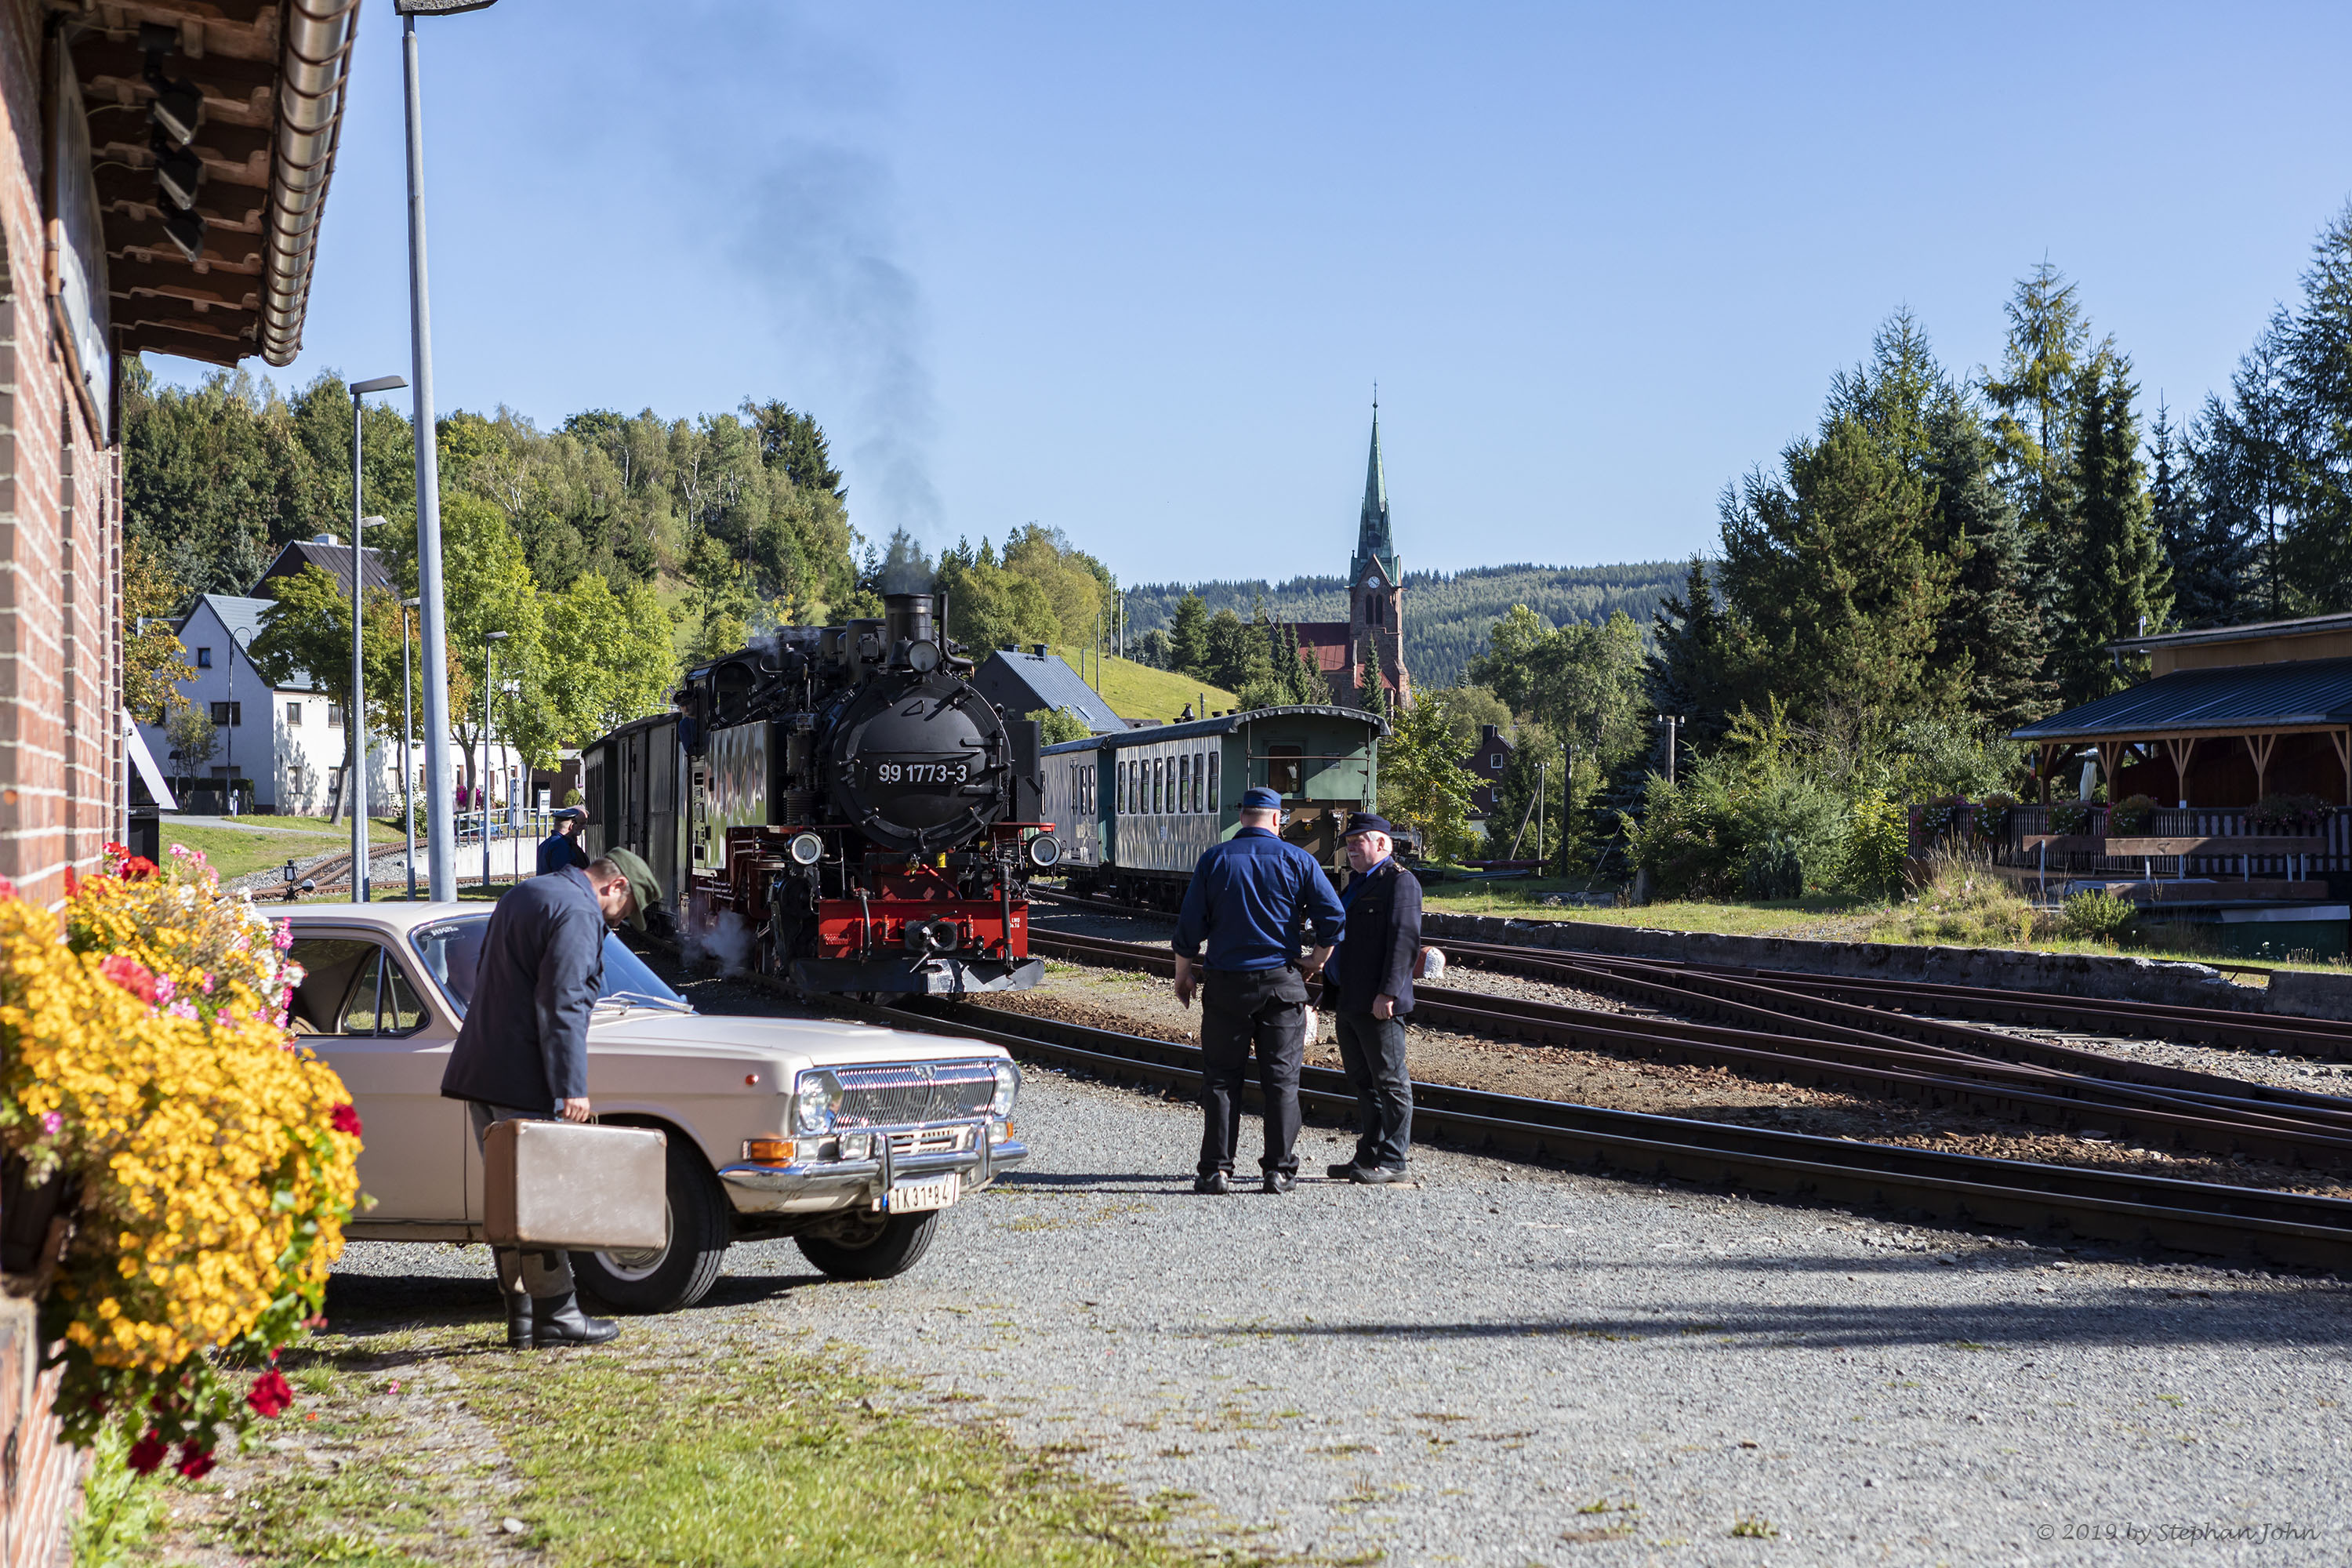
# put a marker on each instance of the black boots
(554, 1321)
(558, 1320)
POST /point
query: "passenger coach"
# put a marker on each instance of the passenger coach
(1135, 809)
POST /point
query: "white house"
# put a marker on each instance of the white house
(286, 745)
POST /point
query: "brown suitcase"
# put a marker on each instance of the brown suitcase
(574, 1185)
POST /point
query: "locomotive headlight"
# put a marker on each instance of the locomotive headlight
(923, 657)
(804, 849)
(816, 1096)
(1008, 1085)
(1044, 851)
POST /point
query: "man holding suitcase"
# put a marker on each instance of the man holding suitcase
(523, 1053)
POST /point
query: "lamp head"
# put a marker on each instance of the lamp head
(381, 384)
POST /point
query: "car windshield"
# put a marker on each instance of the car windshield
(452, 949)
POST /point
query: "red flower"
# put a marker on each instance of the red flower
(137, 868)
(147, 1453)
(132, 975)
(73, 884)
(271, 1394)
(345, 1119)
(196, 1462)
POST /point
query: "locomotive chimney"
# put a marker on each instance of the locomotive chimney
(906, 617)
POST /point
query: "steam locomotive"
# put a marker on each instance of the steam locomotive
(838, 806)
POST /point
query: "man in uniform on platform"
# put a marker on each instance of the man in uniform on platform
(1248, 899)
(522, 1053)
(1370, 984)
(561, 847)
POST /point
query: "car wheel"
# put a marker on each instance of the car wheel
(679, 1274)
(872, 1247)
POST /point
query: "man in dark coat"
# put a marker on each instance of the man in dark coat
(561, 847)
(1369, 984)
(1247, 901)
(523, 1054)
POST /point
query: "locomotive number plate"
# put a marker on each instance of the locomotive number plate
(920, 773)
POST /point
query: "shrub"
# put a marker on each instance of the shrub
(1962, 902)
(2071, 816)
(1773, 869)
(2286, 813)
(1877, 840)
(2097, 916)
(208, 1161)
(1696, 836)
(2133, 814)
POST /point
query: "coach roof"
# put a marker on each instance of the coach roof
(1224, 724)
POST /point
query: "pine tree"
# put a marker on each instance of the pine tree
(2318, 431)
(1696, 668)
(1993, 619)
(2207, 557)
(2035, 397)
(2117, 584)
(1371, 691)
(2250, 471)
(1188, 636)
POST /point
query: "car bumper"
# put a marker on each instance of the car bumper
(818, 1186)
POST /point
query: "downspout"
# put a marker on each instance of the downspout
(315, 64)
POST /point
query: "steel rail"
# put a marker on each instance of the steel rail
(1876, 1065)
(2290, 1229)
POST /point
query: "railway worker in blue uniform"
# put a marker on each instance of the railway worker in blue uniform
(1249, 900)
(561, 847)
(1370, 984)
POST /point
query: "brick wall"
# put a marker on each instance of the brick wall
(60, 535)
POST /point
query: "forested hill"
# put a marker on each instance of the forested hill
(1446, 614)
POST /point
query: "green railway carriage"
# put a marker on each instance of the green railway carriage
(1134, 810)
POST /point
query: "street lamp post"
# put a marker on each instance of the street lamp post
(355, 717)
(489, 652)
(440, 777)
(407, 766)
(238, 638)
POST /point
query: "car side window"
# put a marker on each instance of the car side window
(351, 986)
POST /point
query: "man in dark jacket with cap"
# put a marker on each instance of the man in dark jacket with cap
(1247, 901)
(1370, 984)
(561, 847)
(522, 1053)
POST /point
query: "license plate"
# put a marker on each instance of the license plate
(914, 1197)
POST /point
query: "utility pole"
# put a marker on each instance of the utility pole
(408, 765)
(355, 717)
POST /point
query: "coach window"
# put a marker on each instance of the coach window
(1199, 778)
(1215, 803)
(1184, 783)
(1285, 767)
(1160, 786)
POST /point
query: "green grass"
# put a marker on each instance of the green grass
(731, 1456)
(747, 1459)
(1139, 691)
(235, 850)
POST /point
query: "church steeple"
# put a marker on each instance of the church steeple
(1374, 543)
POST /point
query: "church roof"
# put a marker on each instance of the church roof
(1374, 542)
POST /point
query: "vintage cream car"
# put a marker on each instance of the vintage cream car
(848, 1138)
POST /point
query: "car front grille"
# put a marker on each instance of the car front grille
(908, 1093)
(928, 1141)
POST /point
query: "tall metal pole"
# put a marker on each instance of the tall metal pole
(407, 763)
(440, 780)
(490, 681)
(355, 717)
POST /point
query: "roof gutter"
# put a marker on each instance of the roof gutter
(314, 69)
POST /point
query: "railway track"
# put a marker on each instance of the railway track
(2288, 1229)
(1788, 990)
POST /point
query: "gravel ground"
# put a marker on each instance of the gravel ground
(1509, 1365)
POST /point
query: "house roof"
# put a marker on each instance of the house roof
(1327, 643)
(2305, 694)
(334, 559)
(2306, 626)
(1020, 683)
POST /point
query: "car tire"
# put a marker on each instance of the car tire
(880, 1250)
(680, 1273)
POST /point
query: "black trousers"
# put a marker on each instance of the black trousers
(1372, 1051)
(1241, 1008)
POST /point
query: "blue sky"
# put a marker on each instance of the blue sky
(1132, 271)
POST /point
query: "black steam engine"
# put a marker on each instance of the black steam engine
(857, 818)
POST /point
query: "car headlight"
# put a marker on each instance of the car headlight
(816, 1096)
(1044, 851)
(804, 849)
(1008, 1086)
